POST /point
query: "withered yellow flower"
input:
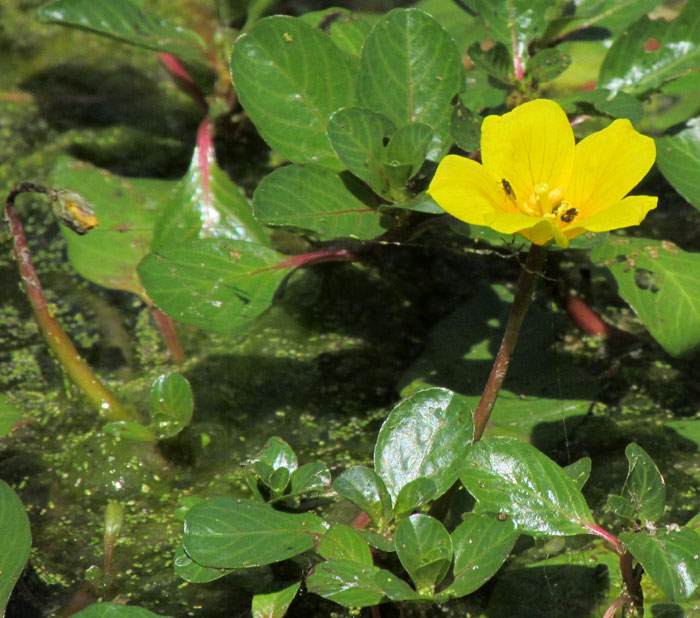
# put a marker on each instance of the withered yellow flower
(537, 182)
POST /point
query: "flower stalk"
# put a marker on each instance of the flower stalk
(73, 211)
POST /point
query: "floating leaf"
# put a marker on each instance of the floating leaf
(274, 604)
(128, 22)
(172, 404)
(512, 477)
(427, 435)
(424, 548)
(678, 157)
(481, 545)
(130, 430)
(230, 533)
(662, 284)
(653, 52)
(671, 559)
(343, 542)
(317, 199)
(410, 70)
(290, 77)
(213, 283)
(15, 541)
(365, 489)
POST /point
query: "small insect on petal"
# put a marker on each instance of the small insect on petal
(569, 215)
(507, 188)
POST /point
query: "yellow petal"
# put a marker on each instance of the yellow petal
(531, 145)
(630, 211)
(465, 189)
(607, 166)
(543, 232)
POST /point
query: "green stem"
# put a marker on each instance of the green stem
(74, 365)
(521, 302)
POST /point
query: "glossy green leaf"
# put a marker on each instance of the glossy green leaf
(670, 558)
(424, 548)
(465, 128)
(357, 135)
(343, 542)
(546, 65)
(290, 77)
(653, 52)
(278, 454)
(613, 15)
(620, 506)
(215, 284)
(365, 489)
(347, 29)
(412, 495)
(481, 545)
(317, 199)
(127, 21)
(274, 604)
(205, 203)
(126, 208)
(192, 571)
(662, 284)
(311, 477)
(427, 435)
(230, 533)
(512, 477)
(616, 105)
(382, 542)
(10, 415)
(408, 146)
(495, 61)
(678, 158)
(410, 70)
(15, 541)
(395, 588)
(644, 488)
(579, 471)
(347, 583)
(172, 404)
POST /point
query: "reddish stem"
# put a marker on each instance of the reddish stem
(167, 331)
(183, 78)
(584, 317)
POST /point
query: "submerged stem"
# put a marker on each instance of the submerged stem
(76, 368)
(521, 302)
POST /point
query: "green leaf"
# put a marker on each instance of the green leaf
(274, 604)
(427, 435)
(130, 430)
(115, 610)
(394, 588)
(365, 489)
(412, 495)
(465, 128)
(644, 488)
(509, 476)
(546, 65)
(15, 541)
(671, 559)
(343, 542)
(481, 545)
(424, 548)
(278, 454)
(620, 506)
(347, 583)
(231, 533)
(653, 52)
(317, 199)
(290, 77)
(357, 135)
(311, 477)
(410, 70)
(616, 105)
(408, 146)
(678, 157)
(579, 471)
(662, 284)
(495, 61)
(126, 208)
(205, 203)
(347, 30)
(192, 571)
(215, 284)
(10, 415)
(127, 22)
(613, 15)
(172, 404)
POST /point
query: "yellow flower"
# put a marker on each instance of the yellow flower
(537, 182)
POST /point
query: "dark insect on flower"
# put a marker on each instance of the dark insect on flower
(507, 188)
(569, 215)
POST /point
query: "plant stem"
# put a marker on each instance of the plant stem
(69, 358)
(521, 302)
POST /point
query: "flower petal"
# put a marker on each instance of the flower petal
(543, 232)
(465, 189)
(608, 165)
(530, 145)
(630, 211)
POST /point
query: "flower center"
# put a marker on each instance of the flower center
(547, 202)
